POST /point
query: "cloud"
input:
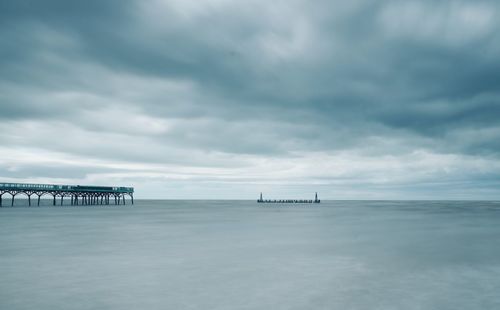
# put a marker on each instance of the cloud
(253, 94)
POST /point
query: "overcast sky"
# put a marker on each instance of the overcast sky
(225, 99)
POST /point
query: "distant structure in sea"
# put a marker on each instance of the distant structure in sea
(80, 195)
(261, 200)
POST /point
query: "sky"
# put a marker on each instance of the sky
(224, 99)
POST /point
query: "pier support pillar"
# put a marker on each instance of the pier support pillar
(62, 200)
(1, 200)
(132, 198)
(29, 200)
(54, 200)
(12, 204)
(39, 199)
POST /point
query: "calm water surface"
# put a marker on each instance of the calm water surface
(241, 255)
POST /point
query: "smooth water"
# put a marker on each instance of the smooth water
(243, 255)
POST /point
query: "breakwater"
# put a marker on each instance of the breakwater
(262, 200)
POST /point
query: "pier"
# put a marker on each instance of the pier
(261, 200)
(77, 194)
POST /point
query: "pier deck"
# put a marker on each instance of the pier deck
(79, 194)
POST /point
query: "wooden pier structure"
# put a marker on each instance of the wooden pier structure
(261, 200)
(79, 194)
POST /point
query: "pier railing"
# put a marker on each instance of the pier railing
(54, 187)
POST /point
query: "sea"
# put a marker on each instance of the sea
(234, 255)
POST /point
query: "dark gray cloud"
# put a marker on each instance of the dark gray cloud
(233, 87)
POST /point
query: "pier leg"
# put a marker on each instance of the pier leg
(116, 200)
(12, 204)
(76, 200)
(62, 198)
(39, 200)
(124, 200)
(102, 198)
(29, 200)
(1, 200)
(54, 201)
(132, 197)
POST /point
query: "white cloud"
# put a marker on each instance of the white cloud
(449, 22)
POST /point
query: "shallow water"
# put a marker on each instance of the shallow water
(242, 255)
